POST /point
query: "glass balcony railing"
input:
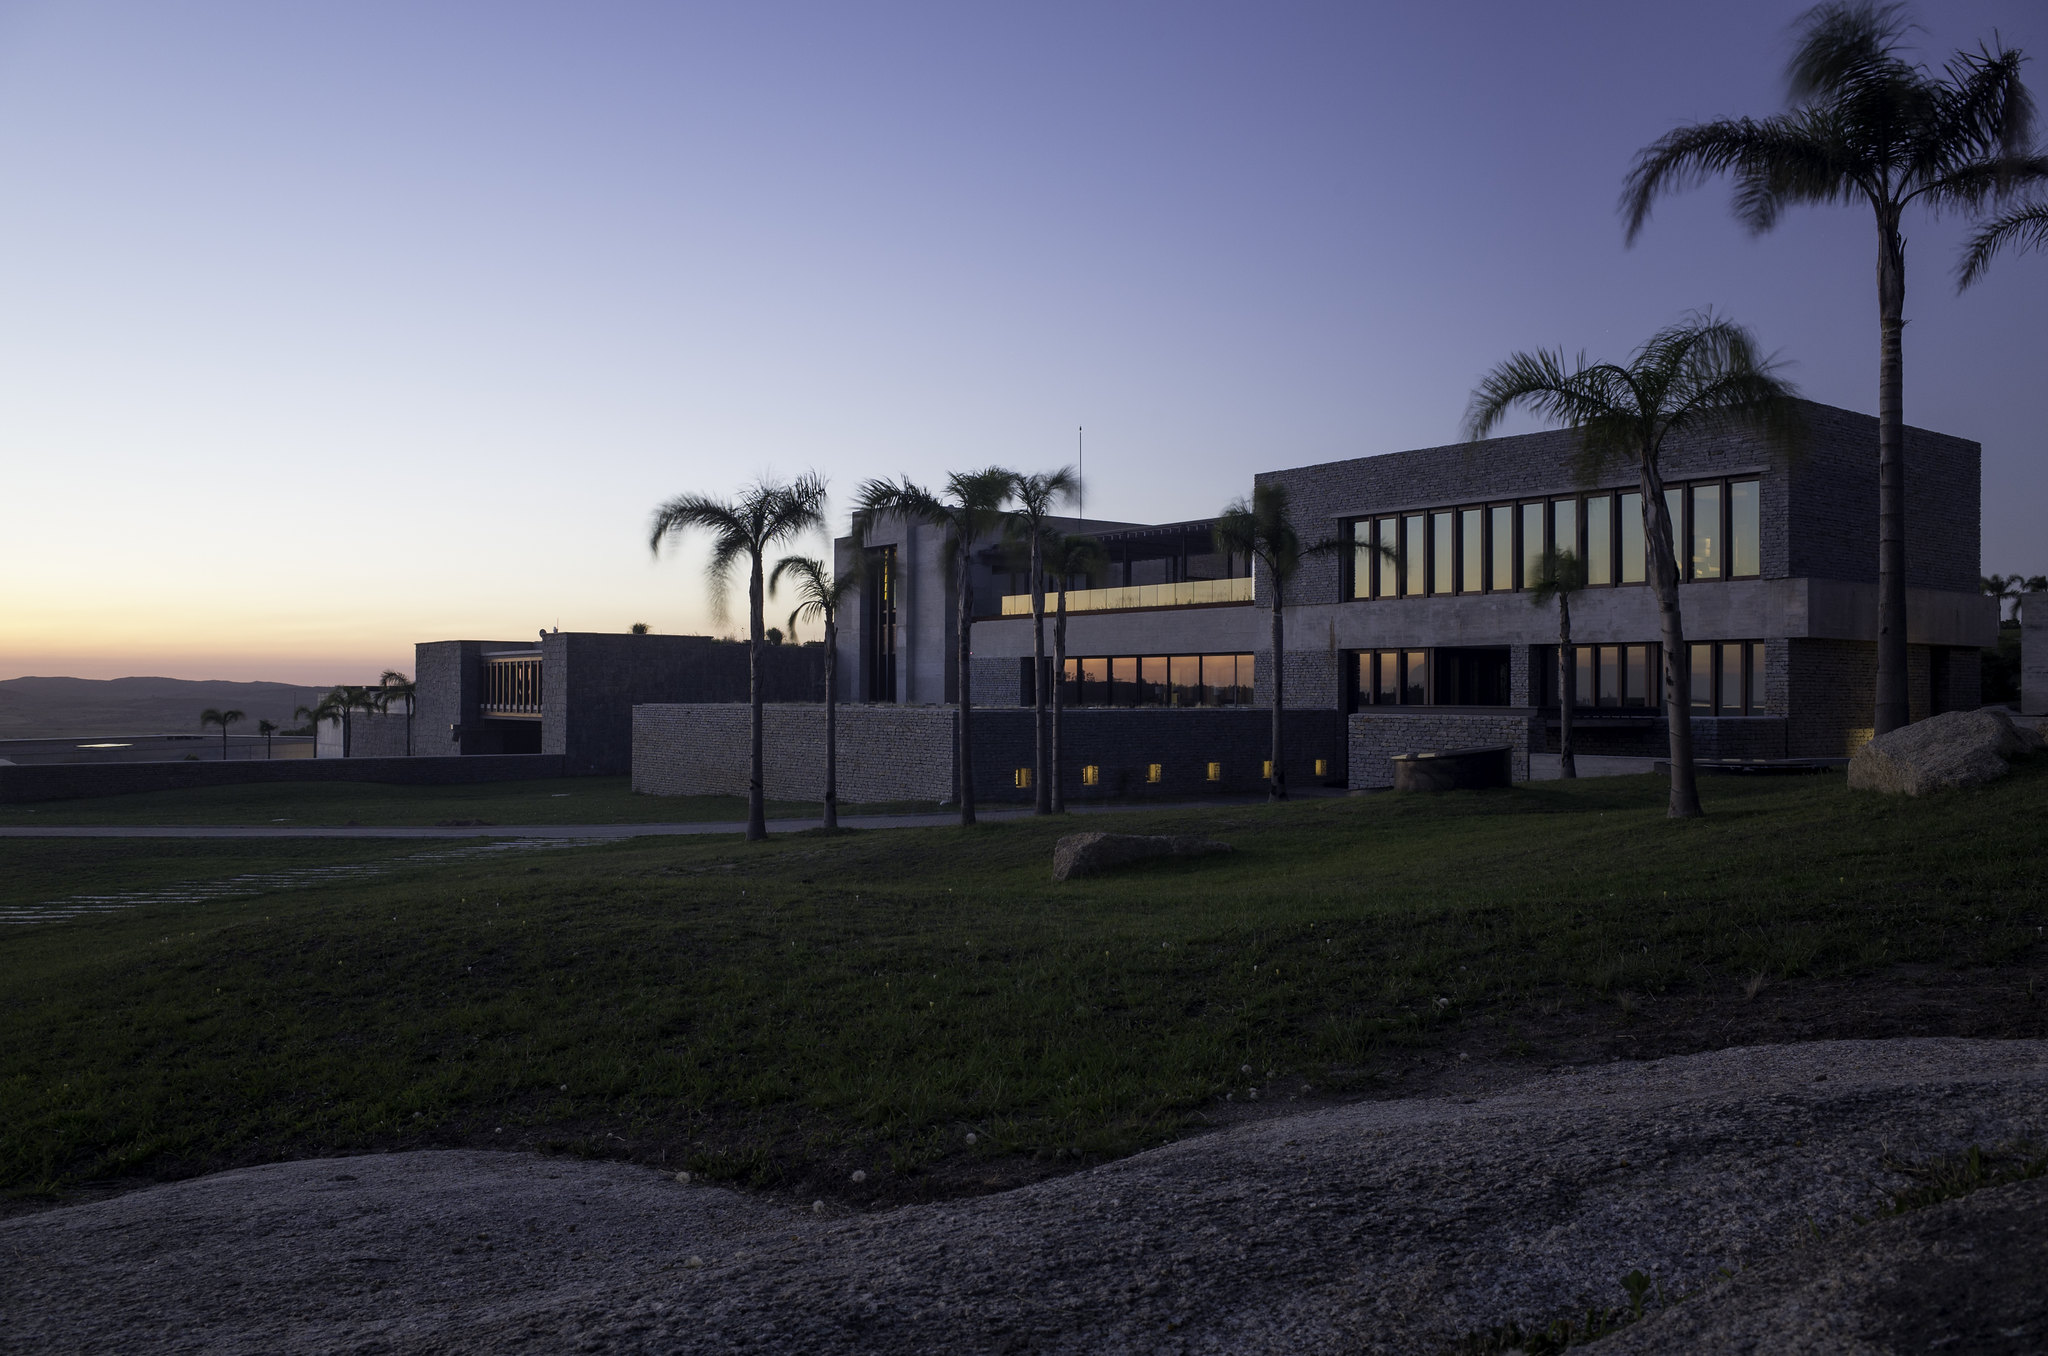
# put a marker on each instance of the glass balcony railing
(1192, 593)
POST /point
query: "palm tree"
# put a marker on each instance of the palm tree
(266, 728)
(394, 686)
(223, 719)
(1259, 528)
(1701, 374)
(764, 516)
(819, 596)
(2012, 588)
(1560, 574)
(1063, 556)
(2024, 228)
(1037, 496)
(1865, 124)
(972, 509)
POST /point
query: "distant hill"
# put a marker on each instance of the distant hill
(39, 708)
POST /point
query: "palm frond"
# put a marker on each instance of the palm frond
(2023, 228)
(1843, 46)
(1558, 573)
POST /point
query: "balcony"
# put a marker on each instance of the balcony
(511, 686)
(1192, 593)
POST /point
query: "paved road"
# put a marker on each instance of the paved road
(590, 831)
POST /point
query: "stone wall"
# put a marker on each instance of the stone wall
(1376, 736)
(2034, 654)
(70, 781)
(1123, 745)
(886, 753)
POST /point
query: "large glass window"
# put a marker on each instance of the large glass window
(1630, 512)
(1361, 558)
(1610, 675)
(1585, 690)
(1152, 680)
(1604, 676)
(1159, 680)
(1600, 540)
(1745, 529)
(1185, 675)
(1501, 523)
(1388, 558)
(1415, 554)
(1442, 558)
(1728, 696)
(1756, 678)
(1702, 679)
(1472, 550)
(1674, 504)
(1564, 525)
(1637, 676)
(1415, 678)
(1707, 541)
(1532, 541)
(1123, 682)
(1470, 675)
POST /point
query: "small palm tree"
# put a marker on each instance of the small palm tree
(1037, 496)
(764, 516)
(1259, 528)
(2024, 228)
(1701, 374)
(819, 596)
(1865, 124)
(1560, 574)
(266, 728)
(394, 686)
(641, 628)
(223, 719)
(1064, 556)
(969, 508)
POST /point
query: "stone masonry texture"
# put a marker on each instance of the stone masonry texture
(66, 781)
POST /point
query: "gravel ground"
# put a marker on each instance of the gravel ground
(1395, 1226)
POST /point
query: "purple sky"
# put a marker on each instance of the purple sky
(325, 329)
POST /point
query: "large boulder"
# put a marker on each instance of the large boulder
(1086, 854)
(1961, 748)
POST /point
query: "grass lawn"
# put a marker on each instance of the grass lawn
(785, 1012)
(569, 800)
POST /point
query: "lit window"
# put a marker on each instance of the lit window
(1091, 775)
(1153, 773)
(1215, 772)
(1322, 767)
(1023, 778)
(1266, 769)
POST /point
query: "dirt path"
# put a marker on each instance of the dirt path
(1389, 1226)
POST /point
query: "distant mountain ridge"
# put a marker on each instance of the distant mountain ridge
(55, 708)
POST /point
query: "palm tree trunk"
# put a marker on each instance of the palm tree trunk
(757, 802)
(1893, 710)
(1058, 798)
(965, 620)
(1685, 792)
(1567, 687)
(1276, 787)
(1042, 796)
(831, 723)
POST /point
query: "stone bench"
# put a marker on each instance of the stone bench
(1474, 769)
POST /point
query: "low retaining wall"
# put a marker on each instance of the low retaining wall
(1376, 736)
(907, 752)
(72, 781)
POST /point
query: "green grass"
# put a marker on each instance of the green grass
(575, 800)
(781, 1012)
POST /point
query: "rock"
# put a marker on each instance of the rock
(1086, 854)
(1961, 748)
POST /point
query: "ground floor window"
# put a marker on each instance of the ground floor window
(1158, 680)
(1728, 678)
(1617, 676)
(1444, 676)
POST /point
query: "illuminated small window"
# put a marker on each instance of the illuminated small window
(1023, 778)
(1091, 775)
(1153, 772)
(1267, 769)
(1215, 772)
(1322, 767)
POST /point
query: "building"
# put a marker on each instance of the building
(1433, 642)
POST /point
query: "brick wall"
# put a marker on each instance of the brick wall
(1831, 696)
(2034, 654)
(886, 752)
(1123, 744)
(70, 781)
(1833, 522)
(1376, 736)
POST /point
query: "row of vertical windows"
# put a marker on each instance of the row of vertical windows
(1727, 676)
(1716, 526)
(1159, 680)
(1445, 676)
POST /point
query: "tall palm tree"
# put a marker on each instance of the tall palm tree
(1700, 374)
(819, 596)
(210, 716)
(1036, 497)
(2024, 228)
(339, 705)
(1560, 574)
(1064, 556)
(1865, 124)
(971, 508)
(394, 686)
(1259, 528)
(765, 515)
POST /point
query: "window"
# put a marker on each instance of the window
(1702, 679)
(1756, 678)
(1442, 558)
(1501, 522)
(1387, 559)
(1266, 769)
(1022, 779)
(1608, 677)
(1630, 510)
(1745, 529)
(1415, 678)
(1215, 772)
(1184, 680)
(1153, 773)
(1707, 541)
(1091, 775)
(1390, 678)
(1471, 675)
(1564, 525)
(1472, 550)
(1322, 767)
(1123, 682)
(1158, 680)
(1361, 558)
(1532, 542)
(1728, 678)
(1414, 553)
(1600, 540)
(1674, 504)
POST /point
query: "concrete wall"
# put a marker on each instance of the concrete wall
(1376, 736)
(2034, 654)
(70, 781)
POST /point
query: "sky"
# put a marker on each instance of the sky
(326, 329)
